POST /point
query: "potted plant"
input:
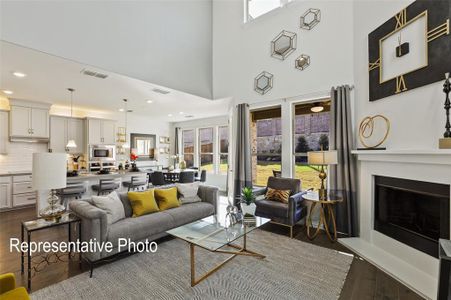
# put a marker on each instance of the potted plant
(248, 201)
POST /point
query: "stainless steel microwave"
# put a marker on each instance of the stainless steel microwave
(102, 152)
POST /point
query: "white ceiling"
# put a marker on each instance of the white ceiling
(48, 78)
(164, 42)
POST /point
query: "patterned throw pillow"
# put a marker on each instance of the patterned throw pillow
(278, 195)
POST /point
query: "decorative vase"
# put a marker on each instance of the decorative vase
(182, 165)
(248, 209)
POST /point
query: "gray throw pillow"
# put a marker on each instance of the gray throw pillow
(112, 205)
(188, 192)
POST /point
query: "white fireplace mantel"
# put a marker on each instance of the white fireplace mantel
(418, 156)
(412, 267)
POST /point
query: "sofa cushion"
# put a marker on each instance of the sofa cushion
(188, 192)
(143, 202)
(112, 205)
(140, 227)
(294, 185)
(167, 198)
(126, 203)
(269, 208)
(191, 212)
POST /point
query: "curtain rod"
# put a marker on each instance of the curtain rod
(311, 94)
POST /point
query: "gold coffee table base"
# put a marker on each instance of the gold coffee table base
(241, 251)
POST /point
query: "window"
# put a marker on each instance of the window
(266, 139)
(188, 147)
(206, 149)
(311, 133)
(256, 8)
(223, 134)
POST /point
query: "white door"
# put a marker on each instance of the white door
(40, 122)
(20, 121)
(3, 132)
(58, 134)
(76, 131)
(109, 132)
(94, 132)
(5, 195)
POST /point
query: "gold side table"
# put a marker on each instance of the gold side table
(326, 212)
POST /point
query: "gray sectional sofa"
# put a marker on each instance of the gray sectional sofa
(152, 226)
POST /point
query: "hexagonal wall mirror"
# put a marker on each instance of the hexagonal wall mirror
(302, 62)
(283, 44)
(263, 82)
(310, 18)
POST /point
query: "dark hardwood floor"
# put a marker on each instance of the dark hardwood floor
(364, 281)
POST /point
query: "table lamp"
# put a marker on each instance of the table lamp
(49, 173)
(322, 158)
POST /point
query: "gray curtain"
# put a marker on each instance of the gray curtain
(343, 177)
(177, 141)
(243, 161)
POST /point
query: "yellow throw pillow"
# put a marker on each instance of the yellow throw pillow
(143, 202)
(278, 195)
(167, 198)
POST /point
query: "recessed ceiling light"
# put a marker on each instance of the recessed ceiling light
(181, 113)
(149, 101)
(19, 74)
(121, 109)
(169, 115)
(8, 92)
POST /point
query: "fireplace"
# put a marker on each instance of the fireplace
(412, 212)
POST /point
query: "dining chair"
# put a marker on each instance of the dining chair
(186, 177)
(157, 178)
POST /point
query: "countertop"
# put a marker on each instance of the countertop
(11, 173)
(95, 176)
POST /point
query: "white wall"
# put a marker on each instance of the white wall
(417, 116)
(162, 42)
(242, 51)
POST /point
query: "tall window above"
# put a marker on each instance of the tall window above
(206, 149)
(188, 147)
(256, 8)
(311, 133)
(266, 137)
(223, 134)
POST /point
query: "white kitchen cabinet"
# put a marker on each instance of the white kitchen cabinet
(40, 123)
(3, 132)
(101, 132)
(5, 195)
(5, 192)
(62, 129)
(29, 120)
(109, 132)
(20, 121)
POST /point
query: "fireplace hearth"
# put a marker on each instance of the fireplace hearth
(412, 212)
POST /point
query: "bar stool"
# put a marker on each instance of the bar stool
(72, 190)
(135, 183)
(105, 186)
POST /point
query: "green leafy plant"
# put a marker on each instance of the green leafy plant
(247, 195)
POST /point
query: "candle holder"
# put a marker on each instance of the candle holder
(445, 142)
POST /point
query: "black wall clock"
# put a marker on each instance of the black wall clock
(411, 49)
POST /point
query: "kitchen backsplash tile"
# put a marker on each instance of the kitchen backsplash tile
(20, 156)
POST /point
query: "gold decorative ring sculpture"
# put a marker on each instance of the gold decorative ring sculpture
(366, 129)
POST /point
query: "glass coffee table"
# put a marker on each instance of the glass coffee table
(211, 234)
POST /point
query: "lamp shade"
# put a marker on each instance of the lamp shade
(322, 157)
(49, 171)
(71, 144)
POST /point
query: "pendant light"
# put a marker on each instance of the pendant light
(126, 145)
(71, 143)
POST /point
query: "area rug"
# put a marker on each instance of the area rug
(291, 270)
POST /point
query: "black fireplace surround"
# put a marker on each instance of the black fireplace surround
(415, 213)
